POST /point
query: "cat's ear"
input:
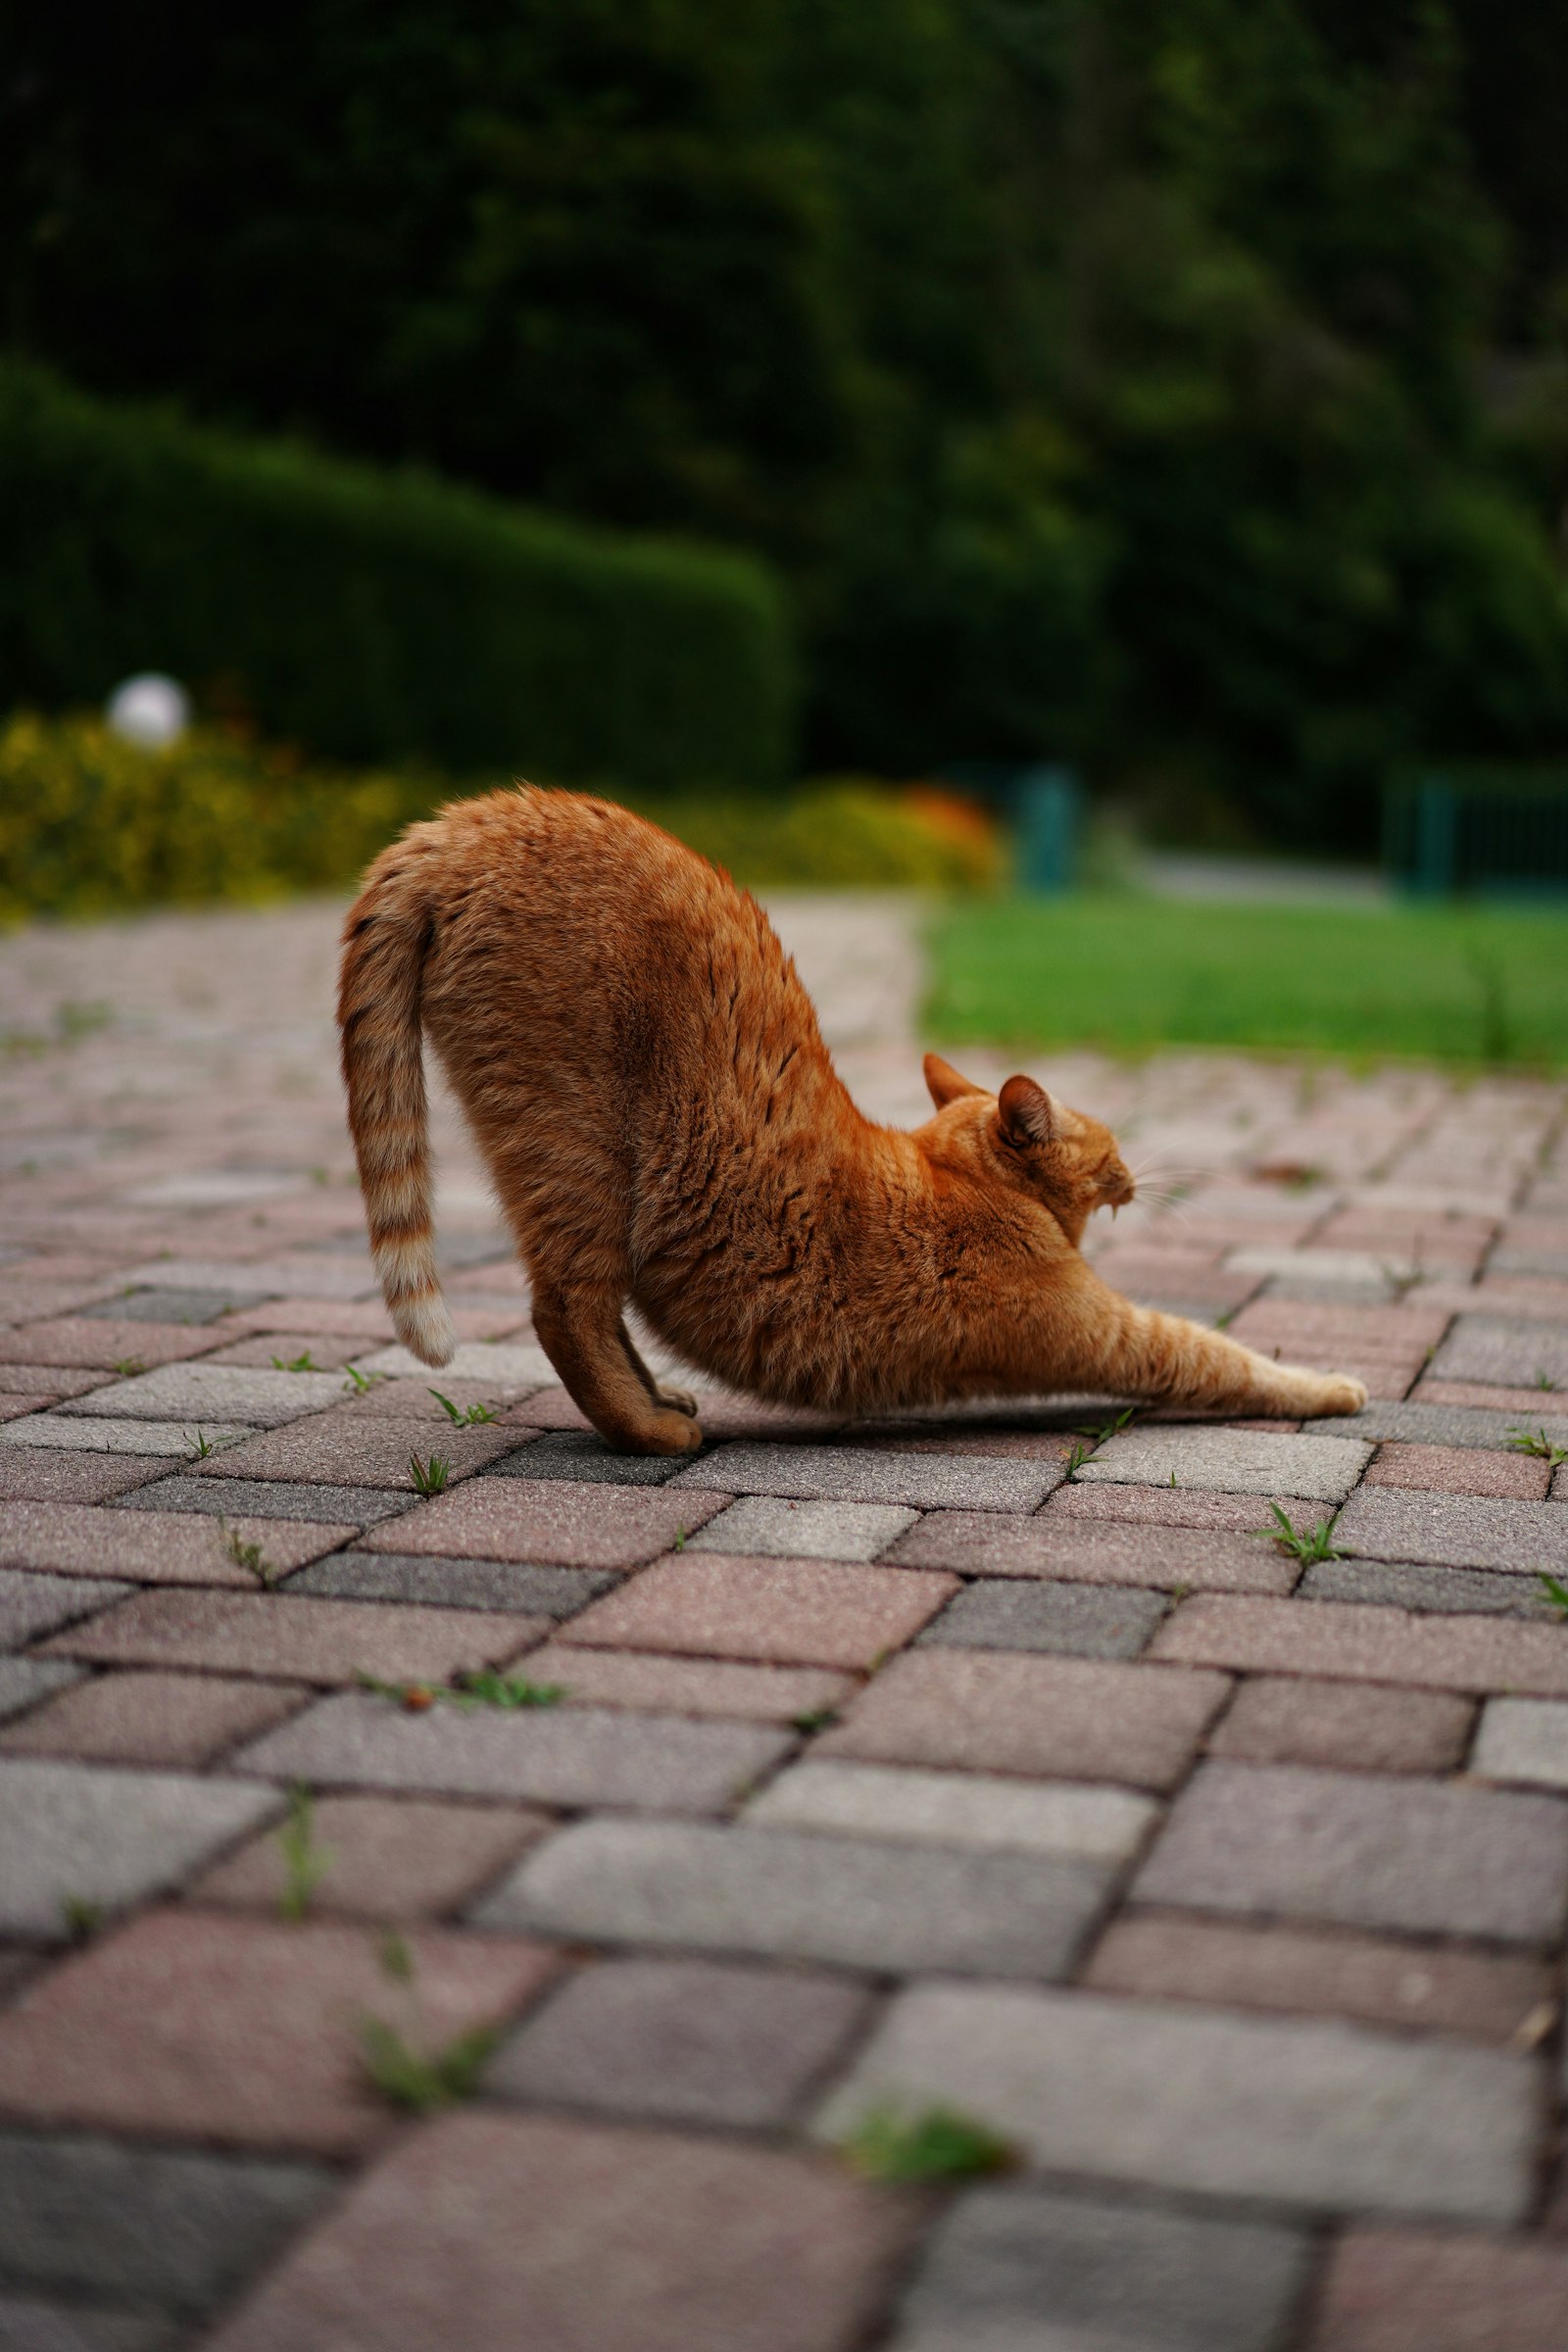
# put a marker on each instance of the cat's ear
(1028, 1114)
(945, 1082)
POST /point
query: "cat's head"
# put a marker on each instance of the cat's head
(1026, 1140)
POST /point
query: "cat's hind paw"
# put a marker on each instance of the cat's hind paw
(676, 1400)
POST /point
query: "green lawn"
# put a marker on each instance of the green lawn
(1481, 985)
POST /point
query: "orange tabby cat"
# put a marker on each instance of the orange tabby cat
(656, 1108)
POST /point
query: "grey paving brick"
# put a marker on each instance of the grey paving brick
(79, 1832)
(143, 2225)
(703, 2041)
(1511, 1353)
(1523, 1739)
(573, 1757)
(171, 1440)
(25, 1680)
(1433, 1858)
(1446, 1591)
(929, 1482)
(171, 1306)
(821, 1530)
(513, 1366)
(221, 1392)
(1015, 2269)
(954, 1808)
(30, 1605)
(850, 1901)
(1084, 1621)
(1453, 1531)
(579, 1455)
(269, 1499)
(29, 2325)
(1440, 1425)
(1229, 1462)
(454, 1584)
(1323, 2116)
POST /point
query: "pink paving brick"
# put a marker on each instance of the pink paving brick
(1047, 1717)
(1384, 1329)
(675, 1685)
(553, 1523)
(1474, 1393)
(1411, 2290)
(325, 1641)
(417, 1400)
(1158, 1956)
(387, 1858)
(175, 1548)
(489, 2232)
(57, 1476)
(338, 1448)
(808, 1612)
(1366, 1644)
(365, 1318)
(153, 1719)
(1302, 1721)
(55, 1380)
(270, 1350)
(1459, 1470)
(1112, 1552)
(198, 2026)
(84, 1341)
(1175, 1507)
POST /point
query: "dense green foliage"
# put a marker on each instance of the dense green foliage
(1106, 375)
(90, 824)
(1481, 985)
(373, 616)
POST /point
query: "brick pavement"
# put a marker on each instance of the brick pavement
(847, 1767)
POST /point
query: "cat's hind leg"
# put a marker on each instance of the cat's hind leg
(674, 1400)
(580, 1327)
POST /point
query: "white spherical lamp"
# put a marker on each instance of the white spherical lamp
(149, 709)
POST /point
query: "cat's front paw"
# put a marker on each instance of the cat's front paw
(671, 1433)
(1341, 1397)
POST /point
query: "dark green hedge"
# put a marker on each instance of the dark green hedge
(373, 616)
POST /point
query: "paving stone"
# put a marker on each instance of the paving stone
(419, 1401)
(722, 1416)
(1083, 1621)
(74, 1832)
(556, 1524)
(1090, 1553)
(702, 2042)
(171, 1306)
(1170, 1506)
(155, 1547)
(588, 2237)
(583, 1456)
(871, 1473)
(48, 1379)
(1366, 1644)
(621, 1678)
(315, 1640)
(43, 1476)
(336, 1507)
(777, 1529)
(141, 2225)
(88, 1343)
(387, 1858)
(499, 1367)
(853, 1902)
(194, 2025)
(1068, 1718)
(556, 1756)
(215, 1393)
(1456, 1427)
(970, 1436)
(1163, 1955)
(1453, 1531)
(1298, 1720)
(25, 1682)
(454, 1584)
(1432, 1859)
(177, 1720)
(30, 1605)
(177, 1438)
(805, 1612)
(275, 1349)
(20, 1408)
(1512, 1352)
(1461, 1470)
(1309, 2114)
(1233, 1462)
(954, 1808)
(1517, 1404)
(1442, 1592)
(1014, 2269)
(27, 2324)
(1523, 1739)
(1409, 2290)
(336, 1449)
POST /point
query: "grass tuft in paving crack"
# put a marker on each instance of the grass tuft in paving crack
(936, 2144)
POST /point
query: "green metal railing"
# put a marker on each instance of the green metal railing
(1499, 831)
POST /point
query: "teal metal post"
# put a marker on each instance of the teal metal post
(1434, 872)
(1048, 802)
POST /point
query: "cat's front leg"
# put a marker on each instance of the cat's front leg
(1135, 1352)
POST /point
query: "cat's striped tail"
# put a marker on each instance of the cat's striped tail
(380, 981)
